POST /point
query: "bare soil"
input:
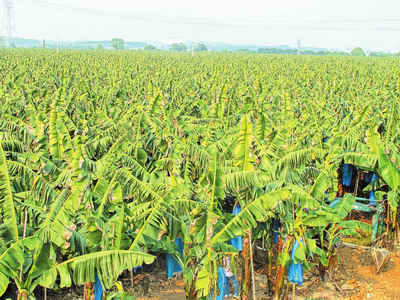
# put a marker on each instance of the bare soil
(353, 278)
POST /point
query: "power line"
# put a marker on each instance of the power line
(270, 18)
(270, 24)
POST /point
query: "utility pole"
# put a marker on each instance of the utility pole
(298, 47)
(7, 29)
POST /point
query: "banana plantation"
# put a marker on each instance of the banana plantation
(108, 159)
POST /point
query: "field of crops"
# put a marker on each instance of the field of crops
(106, 158)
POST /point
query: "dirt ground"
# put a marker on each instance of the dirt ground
(353, 278)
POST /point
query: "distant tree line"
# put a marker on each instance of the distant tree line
(181, 47)
(120, 44)
(178, 47)
(294, 51)
(149, 48)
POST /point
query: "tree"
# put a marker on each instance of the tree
(200, 47)
(178, 47)
(244, 50)
(3, 42)
(149, 48)
(358, 52)
(118, 44)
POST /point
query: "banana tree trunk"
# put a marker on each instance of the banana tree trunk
(190, 288)
(253, 280)
(283, 249)
(269, 283)
(190, 281)
(22, 295)
(279, 282)
(88, 291)
(246, 280)
(191, 292)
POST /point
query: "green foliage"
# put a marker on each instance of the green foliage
(7, 204)
(200, 47)
(179, 47)
(357, 52)
(105, 158)
(118, 44)
(107, 264)
(149, 48)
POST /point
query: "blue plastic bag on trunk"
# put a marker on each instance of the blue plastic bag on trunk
(372, 198)
(276, 225)
(172, 264)
(370, 177)
(374, 178)
(221, 284)
(296, 272)
(237, 241)
(275, 237)
(98, 288)
(137, 268)
(347, 174)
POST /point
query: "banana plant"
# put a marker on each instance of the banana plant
(208, 226)
(31, 261)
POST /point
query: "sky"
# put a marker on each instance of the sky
(335, 24)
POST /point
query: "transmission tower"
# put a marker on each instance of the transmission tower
(298, 47)
(7, 15)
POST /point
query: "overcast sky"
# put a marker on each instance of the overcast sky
(344, 24)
